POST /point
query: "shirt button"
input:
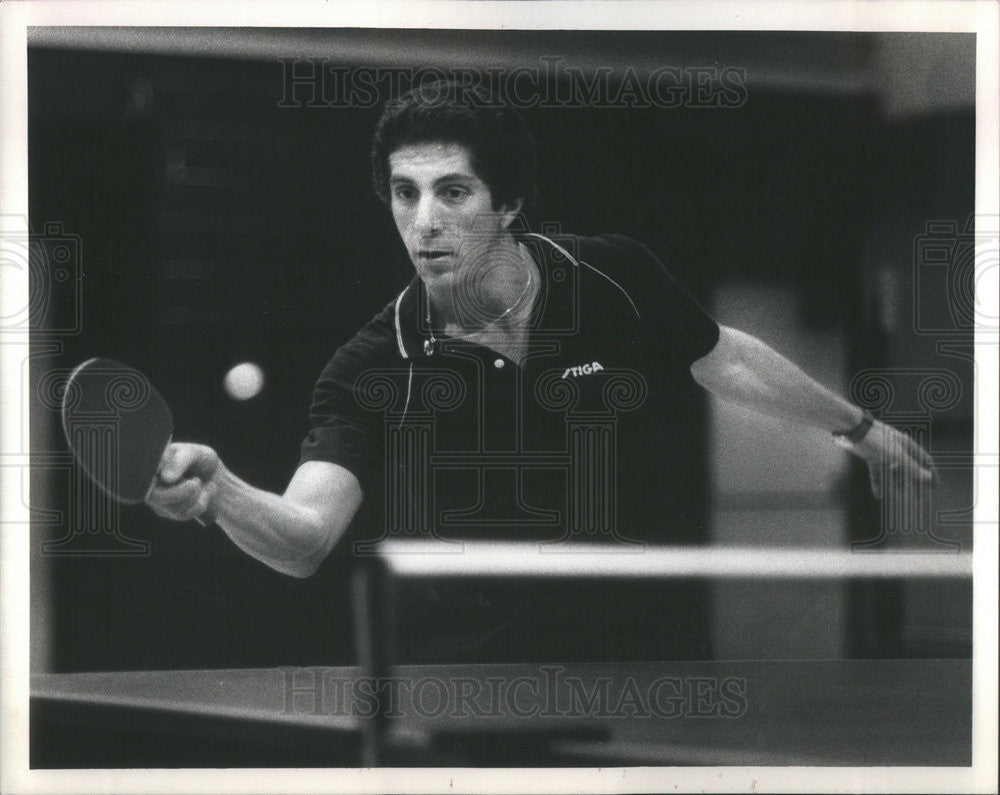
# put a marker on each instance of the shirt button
(498, 363)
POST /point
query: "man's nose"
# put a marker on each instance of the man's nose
(428, 217)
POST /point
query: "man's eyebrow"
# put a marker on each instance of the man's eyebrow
(457, 175)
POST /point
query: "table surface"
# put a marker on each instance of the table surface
(837, 712)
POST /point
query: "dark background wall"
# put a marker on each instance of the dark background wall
(219, 226)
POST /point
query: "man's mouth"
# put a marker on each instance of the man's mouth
(433, 253)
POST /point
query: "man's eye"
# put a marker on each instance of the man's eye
(456, 192)
(404, 194)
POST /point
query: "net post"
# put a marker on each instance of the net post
(374, 633)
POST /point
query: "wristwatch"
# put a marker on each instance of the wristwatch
(853, 436)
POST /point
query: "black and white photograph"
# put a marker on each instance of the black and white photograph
(499, 397)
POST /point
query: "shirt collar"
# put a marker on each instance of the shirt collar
(410, 309)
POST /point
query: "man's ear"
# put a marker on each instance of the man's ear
(511, 211)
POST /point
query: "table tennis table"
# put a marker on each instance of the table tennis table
(781, 712)
(850, 712)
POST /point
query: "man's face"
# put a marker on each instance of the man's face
(444, 213)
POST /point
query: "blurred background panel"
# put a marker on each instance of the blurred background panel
(218, 182)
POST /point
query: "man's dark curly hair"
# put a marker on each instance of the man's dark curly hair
(501, 150)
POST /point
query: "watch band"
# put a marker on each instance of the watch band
(858, 432)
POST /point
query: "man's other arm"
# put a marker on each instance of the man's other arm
(745, 370)
(291, 532)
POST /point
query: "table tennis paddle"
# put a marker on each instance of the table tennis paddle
(118, 426)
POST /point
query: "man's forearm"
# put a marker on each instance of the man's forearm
(287, 536)
(292, 533)
(745, 370)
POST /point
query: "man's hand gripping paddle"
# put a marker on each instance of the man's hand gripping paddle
(118, 427)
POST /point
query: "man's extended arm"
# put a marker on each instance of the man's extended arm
(292, 532)
(745, 370)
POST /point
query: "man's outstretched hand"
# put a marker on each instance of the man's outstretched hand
(894, 460)
(184, 484)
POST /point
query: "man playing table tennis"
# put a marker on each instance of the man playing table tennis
(529, 333)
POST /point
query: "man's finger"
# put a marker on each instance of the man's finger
(932, 470)
(181, 502)
(922, 458)
(175, 462)
(921, 469)
(171, 494)
(178, 498)
(196, 508)
(876, 479)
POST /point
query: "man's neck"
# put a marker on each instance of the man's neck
(499, 306)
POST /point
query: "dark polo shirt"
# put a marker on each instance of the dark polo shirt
(597, 437)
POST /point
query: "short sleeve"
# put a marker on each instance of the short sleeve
(669, 314)
(341, 431)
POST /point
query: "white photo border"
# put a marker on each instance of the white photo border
(16, 17)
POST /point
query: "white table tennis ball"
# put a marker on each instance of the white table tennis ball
(244, 381)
